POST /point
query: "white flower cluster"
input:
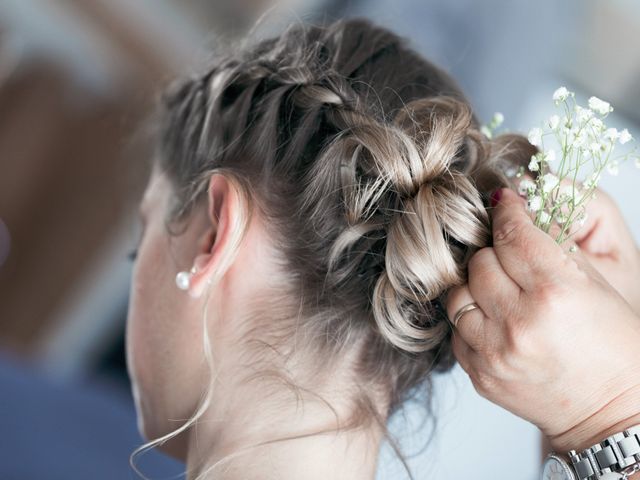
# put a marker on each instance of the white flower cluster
(575, 147)
(495, 122)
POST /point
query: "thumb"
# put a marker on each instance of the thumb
(527, 254)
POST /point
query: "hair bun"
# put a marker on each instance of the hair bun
(410, 177)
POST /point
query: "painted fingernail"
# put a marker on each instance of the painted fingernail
(495, 197)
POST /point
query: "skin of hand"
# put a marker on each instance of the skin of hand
(605, 240)
(552, 341)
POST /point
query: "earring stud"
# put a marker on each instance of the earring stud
(183, 279)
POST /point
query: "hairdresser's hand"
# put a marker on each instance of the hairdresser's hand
(609, 245)
(552, 341)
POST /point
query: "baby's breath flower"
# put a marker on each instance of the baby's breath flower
(549, 182)
(611, 134)
(510, 171)
(562, 217)
(526, 187)
(580, 147)
(535, 136)
(600, 106)
(597, 125)
(535, 203)
(583, 114)
(565, 193)
(496, 121)
(595, 148)
(582, 218)
(592, 181)
(550, 156)
(553, 122)
(545, 218)
(625, 137)
(579, 138)
(613, 168)
(561, 94)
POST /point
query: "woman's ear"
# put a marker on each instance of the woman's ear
(215, 247)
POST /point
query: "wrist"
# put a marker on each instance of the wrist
(621, 413)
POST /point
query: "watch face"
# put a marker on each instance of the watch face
(555, 468)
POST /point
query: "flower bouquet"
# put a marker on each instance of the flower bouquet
(575, 148)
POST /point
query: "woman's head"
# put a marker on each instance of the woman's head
(328, 186)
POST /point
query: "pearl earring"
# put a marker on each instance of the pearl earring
(183, 279)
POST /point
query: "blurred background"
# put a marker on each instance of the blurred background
(77, 77)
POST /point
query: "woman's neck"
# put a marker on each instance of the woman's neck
(345, 455)
(314, 446)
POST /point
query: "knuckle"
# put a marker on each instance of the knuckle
(482, 269)
(556, 284)
(492, 357)
(519, 342)
(546, 293)
(509, 233)
(499, 361)
(479, 259)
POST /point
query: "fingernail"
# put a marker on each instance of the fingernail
(495, 197)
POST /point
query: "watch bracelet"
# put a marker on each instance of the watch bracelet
(615, 453)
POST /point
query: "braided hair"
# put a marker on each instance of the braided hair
(367, 162)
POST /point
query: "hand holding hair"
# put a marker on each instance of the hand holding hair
(551, 340)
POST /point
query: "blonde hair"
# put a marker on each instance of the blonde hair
(369, 166)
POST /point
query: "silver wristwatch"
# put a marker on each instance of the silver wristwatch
(616, 457)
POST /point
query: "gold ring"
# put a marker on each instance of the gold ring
(462, 311)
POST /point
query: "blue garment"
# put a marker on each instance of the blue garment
(51, 431)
